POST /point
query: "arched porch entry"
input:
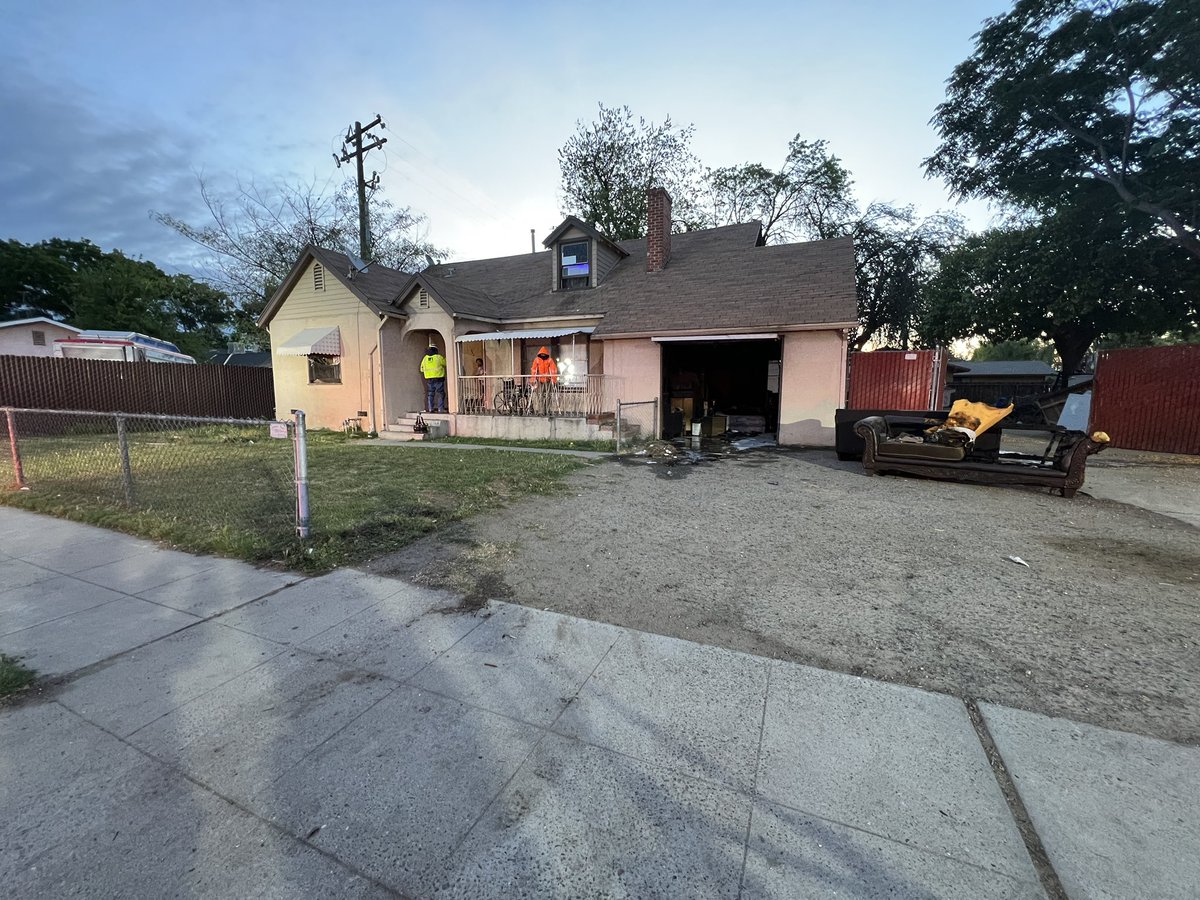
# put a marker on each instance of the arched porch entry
(404, 386)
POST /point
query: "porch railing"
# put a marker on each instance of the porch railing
(529, 395)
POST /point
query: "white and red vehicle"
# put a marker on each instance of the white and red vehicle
(119, 346)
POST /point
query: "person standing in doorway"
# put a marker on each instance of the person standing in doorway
(545, 376)
(433, 370)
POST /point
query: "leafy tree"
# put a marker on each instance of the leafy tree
(807, 199)
(897, 253)
(608, 165)
(1060, 95)
(1076, 275)
(1022, 349)
(256, 234)
(78, 283)
(1187, 335)
(39, 279)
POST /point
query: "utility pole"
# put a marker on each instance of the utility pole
(353, 148)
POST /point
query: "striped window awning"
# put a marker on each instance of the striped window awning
(313, 341)
(529, 333)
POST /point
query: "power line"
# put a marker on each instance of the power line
(433, 177)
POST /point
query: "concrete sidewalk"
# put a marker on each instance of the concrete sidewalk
(224, 731)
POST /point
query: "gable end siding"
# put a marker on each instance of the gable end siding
(305, 301)
(606, 261)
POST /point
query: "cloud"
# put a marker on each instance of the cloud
(70, 168)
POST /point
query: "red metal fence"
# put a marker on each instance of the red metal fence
(1149, 398)
(235, 392)
(897, 379)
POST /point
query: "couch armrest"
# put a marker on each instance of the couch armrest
(873, 428)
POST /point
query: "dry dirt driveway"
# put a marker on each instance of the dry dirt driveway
(797, 556)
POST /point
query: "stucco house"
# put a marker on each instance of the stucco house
(714, 324)
(33, 337)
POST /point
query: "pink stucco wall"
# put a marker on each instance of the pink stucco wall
(638, 363)
(813, 386)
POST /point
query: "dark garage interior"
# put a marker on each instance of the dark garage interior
(718, 386)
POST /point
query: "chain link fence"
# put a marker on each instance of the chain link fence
(636, 423)
(207, 474)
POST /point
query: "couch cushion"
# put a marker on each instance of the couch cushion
(920, 451)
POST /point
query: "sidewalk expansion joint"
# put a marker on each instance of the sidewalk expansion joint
(1016, 806)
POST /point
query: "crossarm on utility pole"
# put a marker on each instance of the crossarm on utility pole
(355, 137)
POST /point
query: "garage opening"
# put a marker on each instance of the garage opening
(718, 385)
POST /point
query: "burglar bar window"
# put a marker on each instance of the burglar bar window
(324, 369)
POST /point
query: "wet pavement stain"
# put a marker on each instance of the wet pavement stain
(674, 459)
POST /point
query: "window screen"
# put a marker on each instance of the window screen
(324, 369)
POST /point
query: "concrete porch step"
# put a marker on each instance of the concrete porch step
(402, 428)
(400, 433)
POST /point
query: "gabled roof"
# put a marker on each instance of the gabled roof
(590, 230)
(456, 298)
(377, 287)
(42, 320)
(718, 277)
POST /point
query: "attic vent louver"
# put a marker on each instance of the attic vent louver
(318, 277)
(423, 299)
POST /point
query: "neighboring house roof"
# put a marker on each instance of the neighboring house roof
(259, 359)
(40, 320)
(1006, 368)
(377, 287)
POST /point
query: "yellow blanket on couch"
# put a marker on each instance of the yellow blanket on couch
(976, 417)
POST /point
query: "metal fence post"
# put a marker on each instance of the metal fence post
(126, 469)
(18, 469)
(300, 440)
(655, 423)
(618, 426)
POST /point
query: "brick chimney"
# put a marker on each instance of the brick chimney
(658, 237)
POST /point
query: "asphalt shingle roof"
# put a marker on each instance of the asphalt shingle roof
(379, 284)
(1001, 367)
(716, 278)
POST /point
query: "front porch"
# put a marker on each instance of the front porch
(520, 407)
(509, 428)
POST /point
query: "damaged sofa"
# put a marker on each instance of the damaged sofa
(945, 451)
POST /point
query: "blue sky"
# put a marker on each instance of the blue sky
(110, 109)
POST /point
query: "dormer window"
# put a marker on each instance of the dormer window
(575, 265)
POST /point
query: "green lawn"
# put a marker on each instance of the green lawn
(229, 491)
(13, 676)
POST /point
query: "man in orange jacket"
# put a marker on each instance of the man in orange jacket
(545, 377)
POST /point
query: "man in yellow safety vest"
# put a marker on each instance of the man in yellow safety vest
(433, 370)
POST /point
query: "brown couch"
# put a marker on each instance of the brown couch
(1061, 467)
